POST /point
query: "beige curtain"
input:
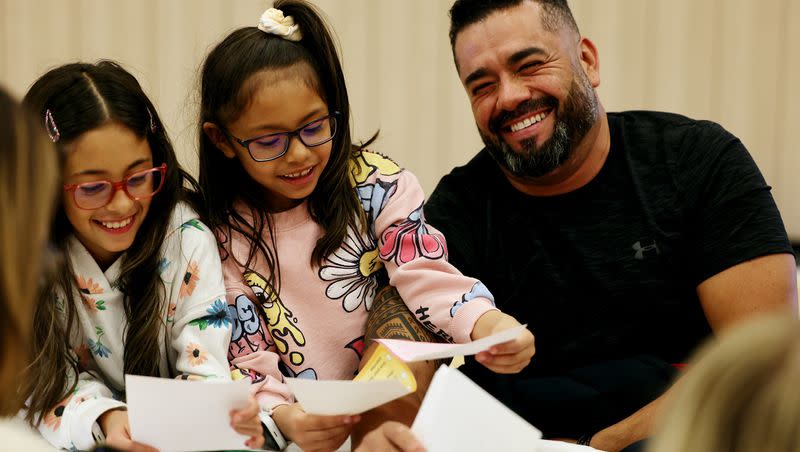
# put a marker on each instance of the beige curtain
(736, 62)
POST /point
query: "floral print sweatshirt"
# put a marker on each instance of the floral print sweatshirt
(314, 326)
(197, 331)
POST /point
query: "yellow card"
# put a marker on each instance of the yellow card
(383, 365)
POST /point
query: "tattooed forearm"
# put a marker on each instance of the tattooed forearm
(390, 318)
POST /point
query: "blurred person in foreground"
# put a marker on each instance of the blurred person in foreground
(741, 395)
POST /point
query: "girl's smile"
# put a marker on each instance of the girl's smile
(281, 102)
(109, 152)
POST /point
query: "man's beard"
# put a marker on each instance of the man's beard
(571, 125)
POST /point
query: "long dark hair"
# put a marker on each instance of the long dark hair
(81, 97)
(225, 93)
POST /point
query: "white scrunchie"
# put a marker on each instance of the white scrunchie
(273, 22)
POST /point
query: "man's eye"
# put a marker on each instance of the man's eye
(530, 67)
(481, 89)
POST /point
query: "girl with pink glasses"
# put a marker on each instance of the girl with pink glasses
(140, 288)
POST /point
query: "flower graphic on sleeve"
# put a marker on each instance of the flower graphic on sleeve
(478, 290)
(196, 355)
(410, 239)
(97, 347)
(353, 269)
(190, 279)
(218, 316)
(53, 417)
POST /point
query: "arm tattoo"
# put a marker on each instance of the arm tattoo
(390, 318)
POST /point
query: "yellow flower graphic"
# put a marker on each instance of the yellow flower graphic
(197, 356)
(189, 280)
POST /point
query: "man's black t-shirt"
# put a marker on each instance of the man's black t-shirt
(610, 270)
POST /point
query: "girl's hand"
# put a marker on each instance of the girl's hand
(390, 436)
(311, 432)
(247, 422)
(114, 424)
(509, 357)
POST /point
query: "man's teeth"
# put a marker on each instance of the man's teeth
(117, 224)
(300, 174)
(527, 122)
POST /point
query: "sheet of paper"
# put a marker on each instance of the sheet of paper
(560, 446)
(179, 415)
(410, 351)
(333, 397)
(382, 379)
(457, 414)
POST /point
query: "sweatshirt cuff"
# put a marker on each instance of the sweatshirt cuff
(80, 429)
(467, 315)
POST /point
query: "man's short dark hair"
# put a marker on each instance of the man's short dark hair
(556, 14)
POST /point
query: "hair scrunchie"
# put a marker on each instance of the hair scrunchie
(274, 22)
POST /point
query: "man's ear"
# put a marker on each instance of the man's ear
(220, 140)
(590, 61)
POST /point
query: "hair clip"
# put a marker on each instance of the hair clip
(50, 124)
(273, 22)
(152, 121)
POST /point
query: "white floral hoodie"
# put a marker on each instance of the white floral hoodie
(197, 331)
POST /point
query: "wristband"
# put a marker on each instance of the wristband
(272, 434)
(585, 439)
(97, 433)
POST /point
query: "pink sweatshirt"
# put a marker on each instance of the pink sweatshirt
(315, 327)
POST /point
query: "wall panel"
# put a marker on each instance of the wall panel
(732, 61)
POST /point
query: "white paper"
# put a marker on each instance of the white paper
(410, 351)
(457, 414)
(179, 415)
(334, 397)
(560, 446)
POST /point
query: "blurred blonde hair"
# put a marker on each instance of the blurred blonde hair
(29, 177)
(742, 393)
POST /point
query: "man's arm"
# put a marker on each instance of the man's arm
(390, 318)
(763, 284)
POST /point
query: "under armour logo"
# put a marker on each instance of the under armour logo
(649, 247)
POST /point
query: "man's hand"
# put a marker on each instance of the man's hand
(509, 357)
(390, 436)
(247, 422)
(311, 432)
(115, 426)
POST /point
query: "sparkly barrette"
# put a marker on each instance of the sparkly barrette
(152, 121)
(50, 125)
(274, 22)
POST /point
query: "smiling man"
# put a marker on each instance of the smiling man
(622, 239)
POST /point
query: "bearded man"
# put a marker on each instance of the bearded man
(621, 239)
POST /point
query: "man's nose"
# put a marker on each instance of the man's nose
(511, 93)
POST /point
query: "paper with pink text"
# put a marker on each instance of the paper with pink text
(410, 351)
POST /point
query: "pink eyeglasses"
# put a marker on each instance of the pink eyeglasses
(140, 185)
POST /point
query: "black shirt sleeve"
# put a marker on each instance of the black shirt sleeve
(730, 208)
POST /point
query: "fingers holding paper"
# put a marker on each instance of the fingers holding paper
(509, 357)
(390, 436)
(247, 422)
(116, 428)
(311, 432)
